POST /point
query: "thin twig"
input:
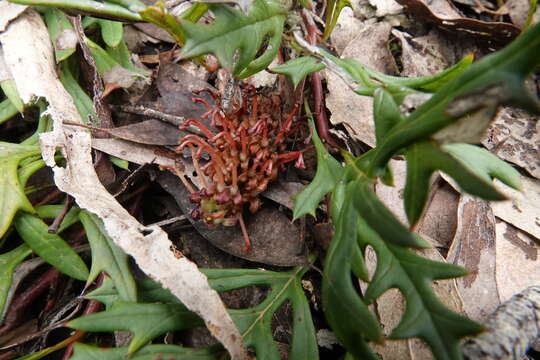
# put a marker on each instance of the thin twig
(169, 221)
(53, 229)
(144, 111)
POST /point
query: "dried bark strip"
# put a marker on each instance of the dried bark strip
(29, 55)
(514, 326)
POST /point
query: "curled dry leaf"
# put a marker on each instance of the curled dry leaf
(514, 136)
(474, 248)
(30, 57)
(347, 108)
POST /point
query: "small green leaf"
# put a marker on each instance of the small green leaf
(346, 312)
(386, 113)
(328, 173)
(425, 316)
(150, 352)
(122, 55)
(471, 167)
(8, 261)
(10, 90)
(145, 321)
(233, 33)
(50, 247)
(108, 257)
(112, 32)
(59, 26)
(484, 164)
(333, 9)
(83, 102)
(299, 68)
(121, 163)
(12, 197)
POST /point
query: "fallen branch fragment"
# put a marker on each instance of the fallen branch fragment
(512, 329)
(29, 55)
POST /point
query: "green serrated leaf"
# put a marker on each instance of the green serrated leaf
(504, 71)
(12, 197)
(150, 352)
(10, 90)
(233, 33)
(329, 172)
(299, 68)
(346, 312)
(145, 321)
(425, 316)
(112, 32)
(484, 164)
(50, 247)
(386, 113)
(108, 257)
(59, 26)
(471, 167)
(8, 261)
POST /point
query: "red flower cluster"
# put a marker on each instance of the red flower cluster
(245, 153)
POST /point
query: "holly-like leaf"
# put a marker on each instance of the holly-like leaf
(150, 352)
(108, 257)
(470, 166)
(386, 113)
(346, 312)
(145, 321)
(329, 171)
(254, 323)
(501, 74)
(425, 316)
(234, 33)
(12, 197)
(8, 261)
(299, 68)
(51, 247)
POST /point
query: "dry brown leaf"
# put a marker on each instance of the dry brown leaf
(30, 57)
(523, 210)
(392, 196)
(348, 108)
(518, 11)
(514, 136)
(474, 249)
(386, 7)
(518, 266)
(347, 28)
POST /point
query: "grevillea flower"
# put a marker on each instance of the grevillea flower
(246, 147)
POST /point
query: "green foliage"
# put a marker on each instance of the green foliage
(299, 68)
(150, 352)
(51, 247)
(58, 25)
(254, 323)
(8, 261)
(7, 110)
(112, 32)
(108, 257)
(12, 197)
(234, 31)
(10, 90)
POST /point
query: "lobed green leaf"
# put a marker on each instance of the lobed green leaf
(150, 352)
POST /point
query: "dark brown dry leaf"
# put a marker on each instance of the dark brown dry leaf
(275, 239)
(514, 136)
(474, 249)
(176, 86)
(155, 32)
(149, 132)
(496, 32)
(283, 191)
